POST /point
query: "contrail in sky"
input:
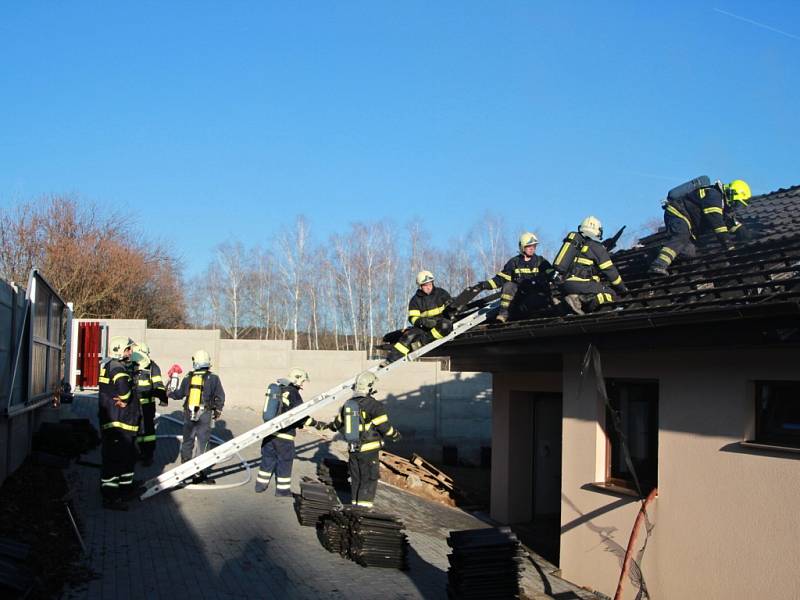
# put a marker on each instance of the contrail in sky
(757, 24)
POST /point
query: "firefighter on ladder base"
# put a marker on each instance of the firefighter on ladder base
(277, 451)
(429, 316)
(119, 422)
(150, 387)
(364, 424)
(205, 399)
(694, 206)
(584, 263)
(525, 281)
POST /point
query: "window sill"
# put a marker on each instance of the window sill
(602, 486)
(769, 447)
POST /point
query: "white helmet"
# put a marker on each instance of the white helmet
(592, 228)
(117, 346)
(140, 358)
(527, 239)
(201, 360)
(143, 347)
(424, 277)
(298, 377)
(365, 383)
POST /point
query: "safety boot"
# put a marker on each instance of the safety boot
(502, 316)
(261, 487)
(574, 302)
(283, 493)
(656, 269)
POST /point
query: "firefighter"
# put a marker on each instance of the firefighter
(150, 386)
(587, 269)
(694, 208)
(119, 422)
(277, 451)
(525, 280)
(428, 315)
(205, 399)
(365, 425)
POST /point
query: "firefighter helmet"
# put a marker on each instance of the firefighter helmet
(143, 347)
(424, 277)
(298, 377)
(117, 346)
(738, 191)
(364, 384)
(527, 239)
(592, 228)
(201, 360)
(139, 357)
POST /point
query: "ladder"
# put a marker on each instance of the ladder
(175, 476)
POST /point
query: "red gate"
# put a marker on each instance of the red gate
(89, 353)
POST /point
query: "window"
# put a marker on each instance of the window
(635, 403)
(778, 413)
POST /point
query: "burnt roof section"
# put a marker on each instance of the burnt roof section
(759, 279)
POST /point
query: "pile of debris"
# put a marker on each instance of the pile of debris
(371, 539)
(334, 472)
(419, 477)
(484, 563)
(314, 501)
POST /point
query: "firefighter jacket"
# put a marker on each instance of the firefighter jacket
(433, 305)
(157, 381)
(207, 389)
(117, 405)
(703, 206)
(291, 398)
(584, 259)
(143, 386)
(538, 270)
(374, 425)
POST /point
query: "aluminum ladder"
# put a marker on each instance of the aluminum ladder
(175, 476)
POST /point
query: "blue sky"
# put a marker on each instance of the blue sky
(212, 120)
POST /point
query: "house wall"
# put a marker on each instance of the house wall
(430, 406)
(726, 523)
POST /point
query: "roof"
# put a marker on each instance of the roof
(759, 279)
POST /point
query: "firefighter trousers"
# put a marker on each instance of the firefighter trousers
(679, 241)
(416, 337)
(277, 456)
(118, 453)
(200, 429)
(147, 431)
(593, 294)
(364, 473)
(523, 298)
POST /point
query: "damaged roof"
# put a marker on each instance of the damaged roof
(759, 279)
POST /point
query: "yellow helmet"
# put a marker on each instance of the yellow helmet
(117, 346)
(143, 347)
(140, 358)
(424, 277)
(738, 191)
(298, 377)
(527, 239)
(201, 360)
(365, 383)
(592, 228)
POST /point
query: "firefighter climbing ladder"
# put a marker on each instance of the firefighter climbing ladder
(224, 451)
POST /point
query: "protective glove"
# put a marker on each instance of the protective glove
(480, 286)
(163, 402)
(426, 322)
(217, 413)
(319, 425)
(396, 437)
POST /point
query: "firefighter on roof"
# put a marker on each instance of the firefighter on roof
(695, 207)
(525, 281)
(587, 268)
(428, 315)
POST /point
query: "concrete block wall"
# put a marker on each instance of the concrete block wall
(431, 407)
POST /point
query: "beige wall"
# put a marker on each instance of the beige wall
(431, 407)
(726, 520)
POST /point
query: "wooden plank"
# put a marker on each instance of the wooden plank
(441, 476)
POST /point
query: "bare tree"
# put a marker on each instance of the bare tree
(293, 243)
